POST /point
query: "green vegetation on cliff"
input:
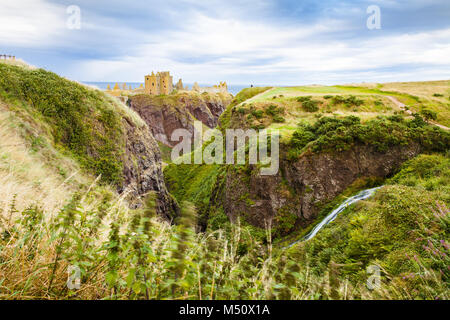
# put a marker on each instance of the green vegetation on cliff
(197, 184)
(226, 119)
(339, 134)
(403, 230)
(82, 121)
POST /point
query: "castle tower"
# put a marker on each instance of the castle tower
(152, 84)
(179, 85)
(223, 86)
(166, 82)
(161, 83)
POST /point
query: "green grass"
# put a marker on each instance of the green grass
(403, 229)
(197, 184)
(166, 152)
(81, 121)
(226, 119)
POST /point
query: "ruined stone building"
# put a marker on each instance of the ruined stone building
(179, 86)
(161, 83)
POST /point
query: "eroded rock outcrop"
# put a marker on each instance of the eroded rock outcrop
(142, 169)
(164, 114)
(304, 186)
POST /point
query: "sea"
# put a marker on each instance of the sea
(233, 89)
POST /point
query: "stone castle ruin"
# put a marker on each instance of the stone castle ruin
(162, 83)
(222, 87)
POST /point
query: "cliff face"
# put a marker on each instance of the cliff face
(142, 170)
(164, 114)
(302, 187)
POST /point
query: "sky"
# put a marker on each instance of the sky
(264, 42)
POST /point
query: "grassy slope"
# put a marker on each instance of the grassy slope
(375, 99)
(434, 95)
(404, 229)
(31, 170)
(82, 122)
(415, 95)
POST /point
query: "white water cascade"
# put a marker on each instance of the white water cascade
(360, 196)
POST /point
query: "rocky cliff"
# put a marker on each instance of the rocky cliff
(164, 114)
(142, 171)
(302, 187)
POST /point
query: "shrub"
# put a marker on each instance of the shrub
(242, 110)
(311, 105)
(271, 110)
(428, 114)
(302, 136)
(279, 119)
(258, 114)
(304, 99)
(259, 126)
(349, 101)
(340, 134)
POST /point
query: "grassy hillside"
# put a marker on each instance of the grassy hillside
(434, 95)
(403, 229)
(78, 120)
(309, 102)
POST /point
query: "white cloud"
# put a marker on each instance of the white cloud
(225, 41)
(230, 46)
(31, 23)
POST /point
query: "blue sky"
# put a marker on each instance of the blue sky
(282, 42)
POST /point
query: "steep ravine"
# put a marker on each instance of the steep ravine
(302, 187)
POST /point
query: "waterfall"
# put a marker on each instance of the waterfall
(360, 196)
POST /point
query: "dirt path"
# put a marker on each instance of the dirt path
(404, 108)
